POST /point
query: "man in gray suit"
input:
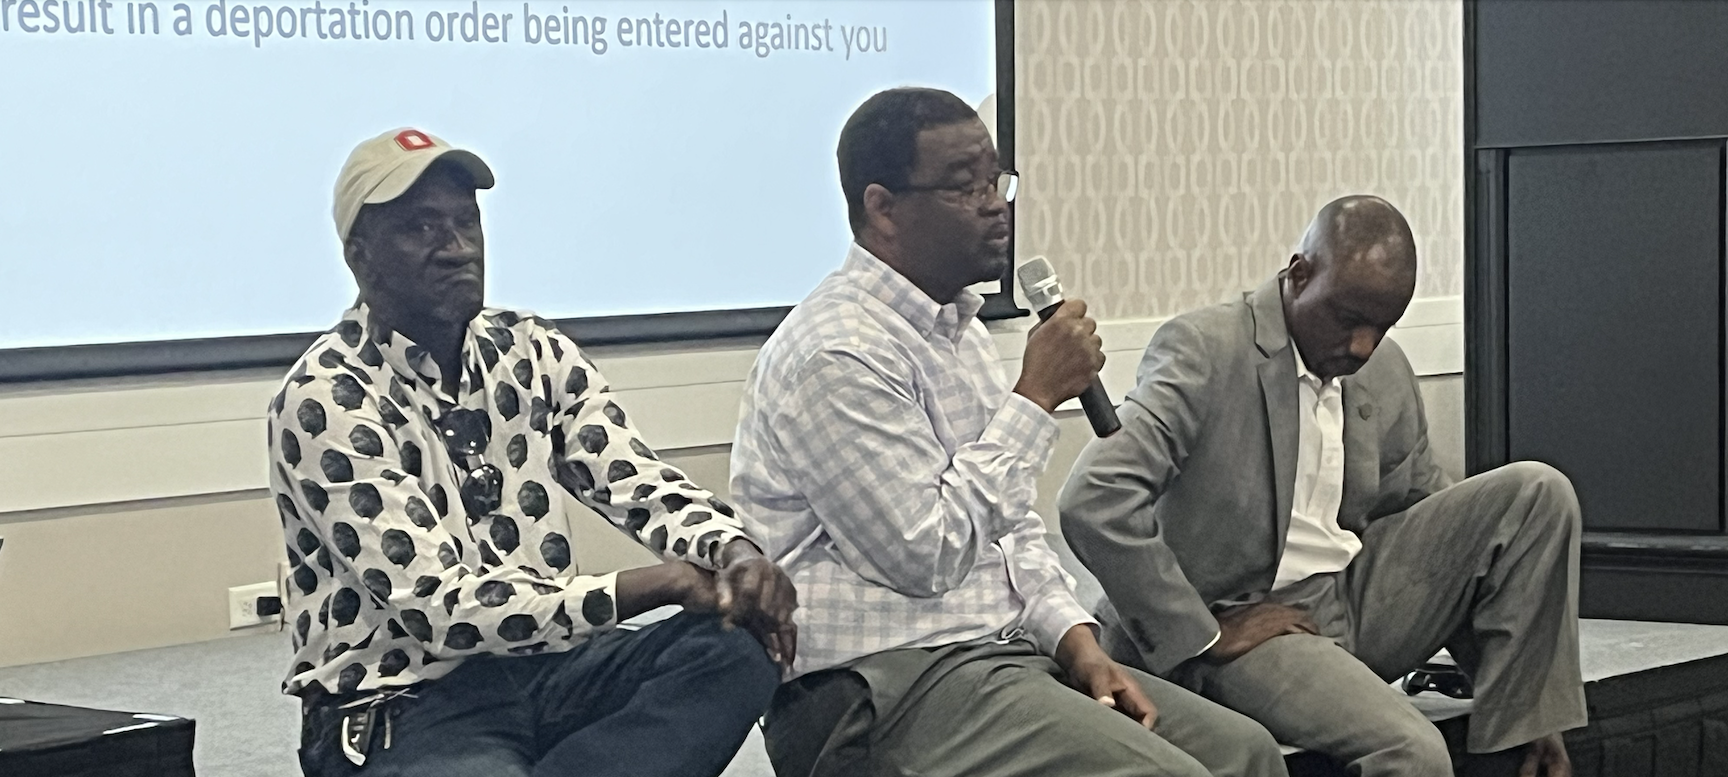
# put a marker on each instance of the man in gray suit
(1273, 532)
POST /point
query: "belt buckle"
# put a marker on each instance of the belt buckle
(355, 733)
(359, 720)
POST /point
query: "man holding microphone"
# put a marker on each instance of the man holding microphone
(888, 468)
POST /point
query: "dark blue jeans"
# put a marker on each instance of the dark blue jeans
(676, 699)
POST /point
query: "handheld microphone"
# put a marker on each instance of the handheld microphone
(1044, 292)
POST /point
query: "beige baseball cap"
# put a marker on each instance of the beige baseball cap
(381, 169)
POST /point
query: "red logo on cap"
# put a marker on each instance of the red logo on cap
(413, 140)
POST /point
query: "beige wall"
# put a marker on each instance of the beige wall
(1172, 152)
(87, 581)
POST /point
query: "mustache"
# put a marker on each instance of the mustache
(448, 266)
(442, 259)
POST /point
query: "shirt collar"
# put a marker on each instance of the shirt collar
(403, 356)
(1303, 373)
(902, 296)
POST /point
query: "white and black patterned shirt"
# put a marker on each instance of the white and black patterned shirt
(892, 473)
(392, 582)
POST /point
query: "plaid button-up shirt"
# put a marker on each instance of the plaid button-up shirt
(890, 471)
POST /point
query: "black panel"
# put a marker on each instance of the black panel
(1599, 70)
(1002, 304)
(1643, 591)
(1654, 577)
(1485, 313)
(1613, 282)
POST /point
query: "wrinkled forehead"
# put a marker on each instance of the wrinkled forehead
(947, 149)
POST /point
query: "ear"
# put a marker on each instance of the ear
(355, 256)
(1299, 273)
(879, 210)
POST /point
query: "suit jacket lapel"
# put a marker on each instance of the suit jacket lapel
(1278, 387)
(1361, 456)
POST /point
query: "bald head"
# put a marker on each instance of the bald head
(1365, 234)
(1349, 283)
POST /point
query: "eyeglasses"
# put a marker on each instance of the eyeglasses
(465, 433)
(1006, 182)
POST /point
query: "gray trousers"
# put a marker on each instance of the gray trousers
(987, 709)
(1487, 569)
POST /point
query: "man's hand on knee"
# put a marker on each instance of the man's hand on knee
(1093, 673)
(1546, 757)
(755, 594)
(1244, 628)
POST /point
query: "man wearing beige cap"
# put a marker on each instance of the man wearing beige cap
(439, 622)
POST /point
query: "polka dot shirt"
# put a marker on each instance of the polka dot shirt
(392, 580)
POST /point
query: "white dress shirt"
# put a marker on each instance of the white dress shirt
(1314, 543)
(888, 468)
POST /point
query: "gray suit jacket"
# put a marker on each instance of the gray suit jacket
(1185, 510)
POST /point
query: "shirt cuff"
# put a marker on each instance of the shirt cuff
(1209, 645)
(1021, 425)
(591, 603)
(1049, 623)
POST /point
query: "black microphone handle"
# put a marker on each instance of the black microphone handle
(1099, 411)
(1094, 400)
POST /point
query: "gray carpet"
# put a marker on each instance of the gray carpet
(246, 727)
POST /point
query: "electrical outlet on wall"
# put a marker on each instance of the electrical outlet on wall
(243, 605)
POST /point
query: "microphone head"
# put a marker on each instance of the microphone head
(1038, 281)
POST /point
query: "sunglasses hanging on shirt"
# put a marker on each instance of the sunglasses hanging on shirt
(465, 433)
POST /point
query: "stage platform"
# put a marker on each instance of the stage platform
(1658, 694)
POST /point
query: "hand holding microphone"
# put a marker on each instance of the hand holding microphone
(1063, 352)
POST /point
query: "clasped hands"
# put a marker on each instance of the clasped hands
(748, 592)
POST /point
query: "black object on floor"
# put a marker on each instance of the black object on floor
(49, 740)
(1444, 679)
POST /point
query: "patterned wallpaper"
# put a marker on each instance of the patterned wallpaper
(1173, 150)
